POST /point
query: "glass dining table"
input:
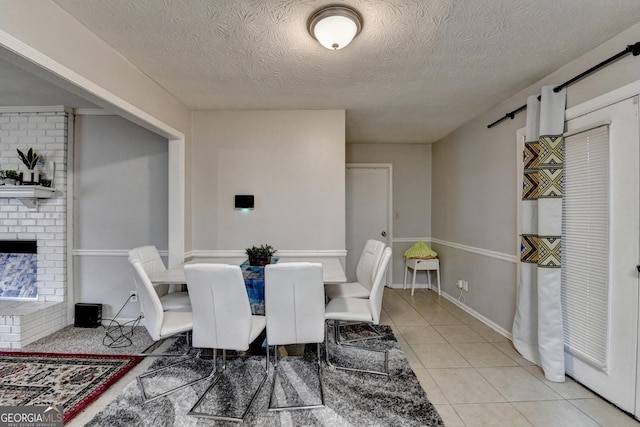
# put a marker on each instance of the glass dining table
(332, 272)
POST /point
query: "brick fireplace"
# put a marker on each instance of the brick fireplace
(46, 130)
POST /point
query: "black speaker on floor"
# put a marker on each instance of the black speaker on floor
(88, 315)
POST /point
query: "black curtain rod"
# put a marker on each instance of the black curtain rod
(633, 49)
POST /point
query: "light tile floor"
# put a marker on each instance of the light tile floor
(474, 376)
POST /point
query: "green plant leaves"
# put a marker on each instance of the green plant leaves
(262, 250)
(30, 160)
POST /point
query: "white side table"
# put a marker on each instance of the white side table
(421, 265)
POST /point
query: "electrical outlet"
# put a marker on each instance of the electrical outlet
(460, 284)
(465, 285)
(133, 296)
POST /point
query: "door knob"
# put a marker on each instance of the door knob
(383, 234)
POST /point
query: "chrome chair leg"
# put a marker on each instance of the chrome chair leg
(147, 352)
(193, 411)
(345, 368)
(295, 407)
(146, 398)
(340, 340)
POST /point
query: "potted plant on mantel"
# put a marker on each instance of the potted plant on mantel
(260, 255)
(30, 160)
(9, 177)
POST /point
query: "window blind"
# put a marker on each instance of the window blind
(585, 245)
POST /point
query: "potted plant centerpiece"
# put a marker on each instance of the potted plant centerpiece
(260, 255)
(30, 160)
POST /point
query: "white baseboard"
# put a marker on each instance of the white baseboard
(418, 286)
(479, 316)
(463, 307)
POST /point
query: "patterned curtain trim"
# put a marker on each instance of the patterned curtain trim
(549, 251)
(550, 174)
(529, 248)
(550, 183)
(530, 155)
(551, 151)
(530, 174)
(530, 185)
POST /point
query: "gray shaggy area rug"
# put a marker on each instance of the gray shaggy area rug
(351, 398)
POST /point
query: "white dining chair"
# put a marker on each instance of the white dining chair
(359, 310)
(365, 274)
(222, 320)
(161, 324)
(153, 264)
(294, 308)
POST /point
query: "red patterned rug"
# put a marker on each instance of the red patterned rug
(69, 380)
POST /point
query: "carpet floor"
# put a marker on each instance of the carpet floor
(71, 381)
(351, 398)
(101, 340)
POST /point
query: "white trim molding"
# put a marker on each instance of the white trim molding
(239, 253)
(94, 112)
(108, 253)
(627, 91)
(176, 207)
(37, 109)
(198, 253)
(479, 251)
(411, 239)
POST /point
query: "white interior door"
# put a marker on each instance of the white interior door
(617, 380)
(368, 205)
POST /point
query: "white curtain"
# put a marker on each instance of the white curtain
(537, 326)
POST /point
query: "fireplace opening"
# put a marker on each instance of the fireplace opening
(18, 270)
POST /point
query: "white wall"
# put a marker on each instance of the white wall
(475, 189)
(411, 194)
(294, 164)
(120, 190)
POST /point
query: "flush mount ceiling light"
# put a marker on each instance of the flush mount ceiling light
(335, 26)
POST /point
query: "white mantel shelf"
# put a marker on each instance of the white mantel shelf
(27, 194)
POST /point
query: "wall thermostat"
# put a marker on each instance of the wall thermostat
(243, 201)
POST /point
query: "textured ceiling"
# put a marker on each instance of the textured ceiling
(418, 70)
